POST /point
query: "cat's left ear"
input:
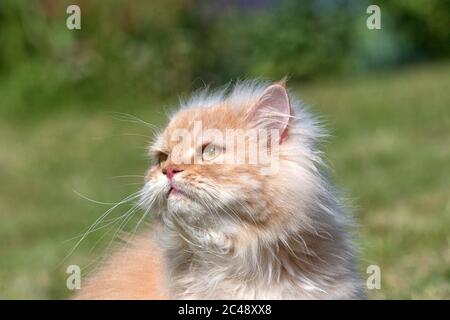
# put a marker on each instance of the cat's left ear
(273, 109)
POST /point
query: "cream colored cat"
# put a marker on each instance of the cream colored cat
(228, 229)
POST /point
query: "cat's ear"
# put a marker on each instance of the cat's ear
(273, 109)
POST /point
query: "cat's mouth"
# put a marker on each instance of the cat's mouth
(174, 191)
(171, 190)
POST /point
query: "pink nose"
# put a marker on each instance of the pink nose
(170, 171)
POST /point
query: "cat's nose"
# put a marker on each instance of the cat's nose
(170, 171)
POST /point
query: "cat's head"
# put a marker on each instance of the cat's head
(238, 159)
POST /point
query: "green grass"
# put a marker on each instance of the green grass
(390, 153)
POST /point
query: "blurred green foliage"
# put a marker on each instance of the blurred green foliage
(126, 48)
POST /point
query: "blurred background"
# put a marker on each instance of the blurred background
(73, 105)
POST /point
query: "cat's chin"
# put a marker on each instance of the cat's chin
(182, 206)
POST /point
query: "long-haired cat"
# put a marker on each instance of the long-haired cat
(229, 229)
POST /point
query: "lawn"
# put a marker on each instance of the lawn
(389, 150)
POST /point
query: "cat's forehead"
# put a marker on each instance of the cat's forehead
(221, 117)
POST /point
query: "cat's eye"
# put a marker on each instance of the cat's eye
(161, 157)
(211, 151)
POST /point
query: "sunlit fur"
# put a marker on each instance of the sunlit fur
(236, 234)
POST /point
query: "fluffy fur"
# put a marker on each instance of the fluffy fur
(231, 232)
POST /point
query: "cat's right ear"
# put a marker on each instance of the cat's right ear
(272, 110)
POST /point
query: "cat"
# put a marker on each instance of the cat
(232, 230)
